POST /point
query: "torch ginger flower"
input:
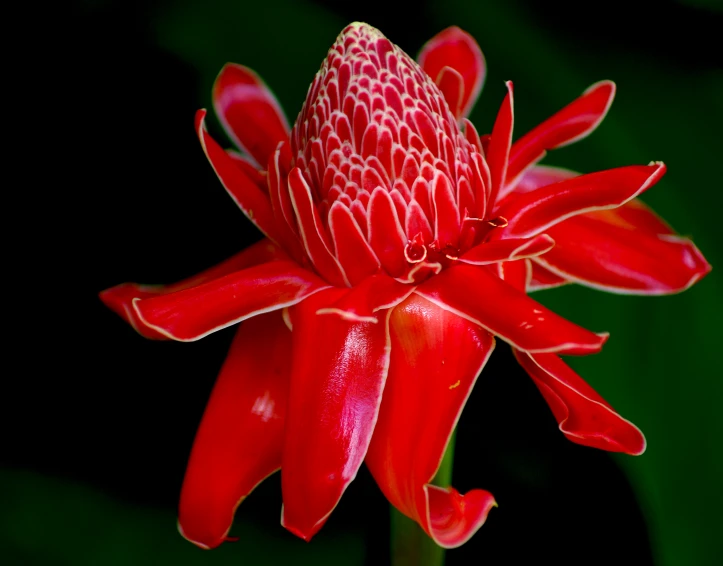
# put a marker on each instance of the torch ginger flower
(398, 244)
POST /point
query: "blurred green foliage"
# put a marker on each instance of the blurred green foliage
(50, 521)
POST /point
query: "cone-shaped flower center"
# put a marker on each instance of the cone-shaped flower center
(375, 122)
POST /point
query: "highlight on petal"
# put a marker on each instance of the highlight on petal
(120, 298)
(583, 416)
(606, 253)
(252, 201)
(239, 441)
(436, 358)
(454, 53)
(574, 122)
(534, 212)
(475, 294)
(339, 371)
(190, 314)
(249, 112)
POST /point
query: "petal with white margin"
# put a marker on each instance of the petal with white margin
(339, 368)
(240, 438)
(583, 416)
(436, 358)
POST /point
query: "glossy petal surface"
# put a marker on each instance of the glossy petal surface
(584, 417)
(339, 371)
(191, 314)
(603, 252)
(536, 211)
(436, 357)
(240, 438)
(120, 298)
(249, 112)
(456, 50)
(475, 294)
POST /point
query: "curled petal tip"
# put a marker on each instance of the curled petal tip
(455, 518)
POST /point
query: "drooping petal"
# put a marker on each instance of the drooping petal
(254, 203)
(436, 357)
(599, 252)
(534, 212)
(584, 417)
(191, 314)
(120, 298)
(240, 438)
(498, 151)
(338, 373)
(574, 122)
(508, 250)
(475, 294)
(455, 50)
(249, 112)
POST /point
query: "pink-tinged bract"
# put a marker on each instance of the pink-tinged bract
(399, 243)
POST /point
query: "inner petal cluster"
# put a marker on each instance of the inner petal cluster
(376, 128)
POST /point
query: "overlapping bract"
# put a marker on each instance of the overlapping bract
(399, 244)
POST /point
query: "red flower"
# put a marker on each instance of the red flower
(398, 244)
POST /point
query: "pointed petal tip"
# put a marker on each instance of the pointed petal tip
(304, 533)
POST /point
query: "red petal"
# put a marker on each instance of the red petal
(584, 417)
(455, 49)
(516, 273)
(634, 215)
(436, 357)
(239, 441)
(352, 248)
(120, 298)
(191, 314)
(600, 252)
(313, 235)
(541, 279)
(446, 215)
(540, 176)
(386, 235)
(249, 112)
(250, 168)
(498, 152)
(574, 122)
(339, 370)
(477, 295)
(534, 212)
(508, 250)
(361, 302)
(246, 194)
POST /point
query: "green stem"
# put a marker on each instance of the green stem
(410, 545)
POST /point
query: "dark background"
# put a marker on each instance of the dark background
(99, 422)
